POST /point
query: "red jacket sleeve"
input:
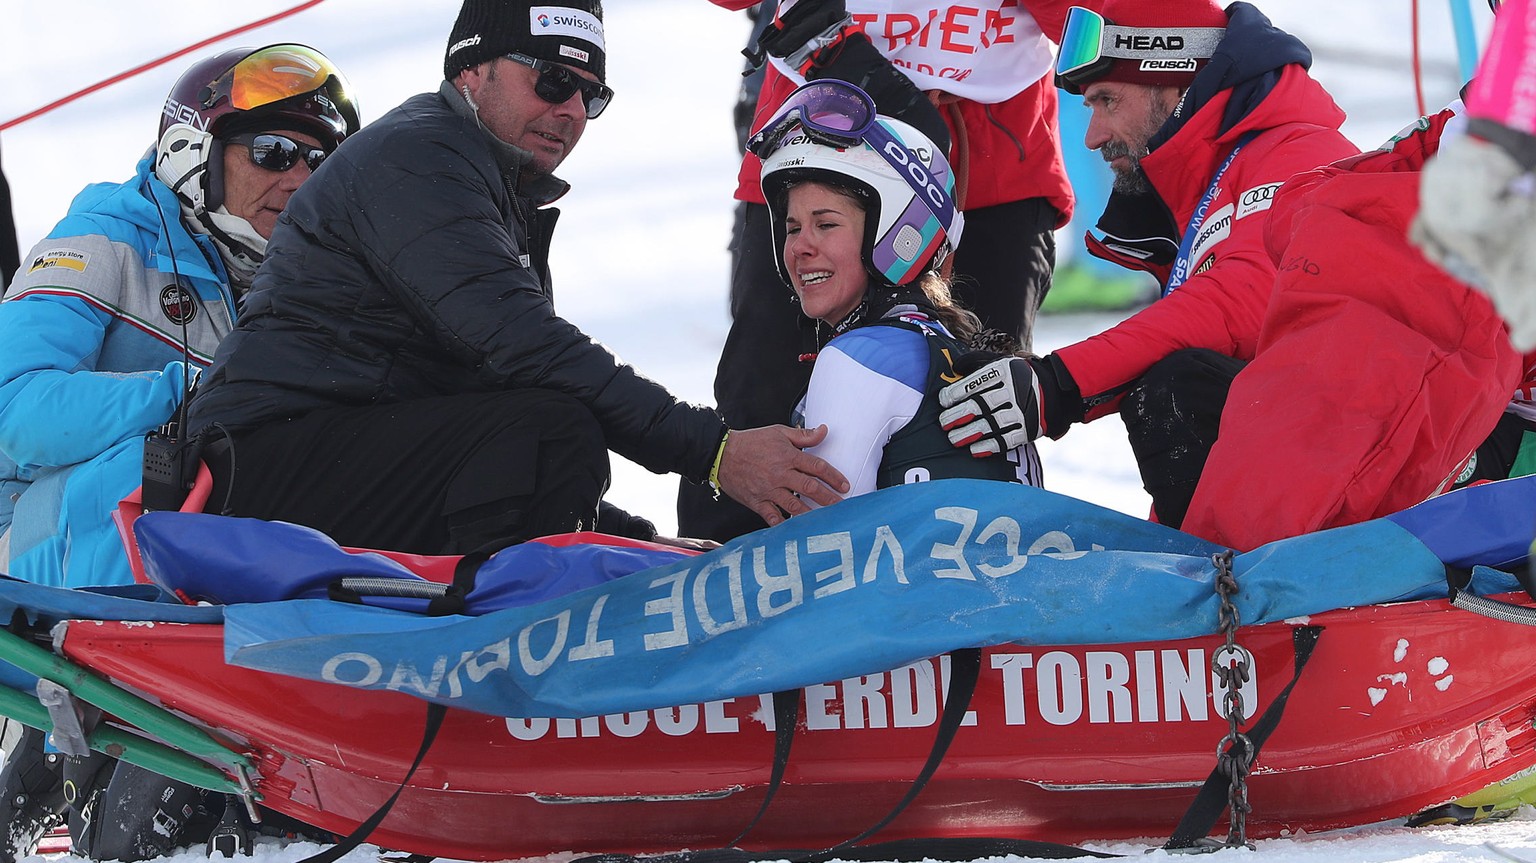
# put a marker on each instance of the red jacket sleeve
(1221, 307)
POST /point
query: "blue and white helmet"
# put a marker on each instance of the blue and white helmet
(905, 232)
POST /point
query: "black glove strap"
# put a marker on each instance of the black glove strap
(1061, 400)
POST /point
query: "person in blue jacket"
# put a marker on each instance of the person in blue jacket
(140, 279)
(101, 325)
(862, 213)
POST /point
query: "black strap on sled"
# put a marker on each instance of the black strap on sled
(442, 599)
(786, 712)
(450, 601)
(956, 850)
(1211, 800)
(965, 670)
(435, 714)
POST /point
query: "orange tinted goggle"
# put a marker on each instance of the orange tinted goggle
(279, 72)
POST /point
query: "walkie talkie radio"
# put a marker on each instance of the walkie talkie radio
(169, 469)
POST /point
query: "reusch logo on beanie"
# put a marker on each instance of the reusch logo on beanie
(570, 33)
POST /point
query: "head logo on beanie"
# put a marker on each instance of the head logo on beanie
(570, 33)
(1132, 41)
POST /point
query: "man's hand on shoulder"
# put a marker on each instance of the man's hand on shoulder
(765, 470)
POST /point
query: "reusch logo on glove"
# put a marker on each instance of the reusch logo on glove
(991, 376)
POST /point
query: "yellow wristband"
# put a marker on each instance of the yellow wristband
(714, 471)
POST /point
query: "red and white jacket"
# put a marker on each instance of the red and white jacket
(1295, 128)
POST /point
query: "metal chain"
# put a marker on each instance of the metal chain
(1234, 754)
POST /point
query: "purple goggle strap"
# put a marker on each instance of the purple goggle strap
(817, 100)
(807, 106)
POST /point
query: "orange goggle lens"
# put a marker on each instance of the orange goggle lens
(278, 72)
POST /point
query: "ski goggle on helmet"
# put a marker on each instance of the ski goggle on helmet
(1090, 45)
(241, 91)
(293, 82)
(828, 131)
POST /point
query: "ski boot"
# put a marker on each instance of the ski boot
(1494, 803)
(31, 795)
(140, 815)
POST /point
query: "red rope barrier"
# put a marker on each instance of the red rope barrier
(144, 67)
(1418, 65)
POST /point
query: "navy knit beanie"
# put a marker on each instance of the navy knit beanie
(569, 32)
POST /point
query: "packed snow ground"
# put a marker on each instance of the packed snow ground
(640, 258)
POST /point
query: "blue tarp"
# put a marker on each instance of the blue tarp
(234, 560)
(868, 585)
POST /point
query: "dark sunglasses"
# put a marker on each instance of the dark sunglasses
(279, 153)
(557, 84)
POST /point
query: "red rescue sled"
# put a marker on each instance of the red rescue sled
(1403, 707)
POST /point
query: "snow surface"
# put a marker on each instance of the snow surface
(640, 257)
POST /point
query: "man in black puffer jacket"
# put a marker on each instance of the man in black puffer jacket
(399, 378)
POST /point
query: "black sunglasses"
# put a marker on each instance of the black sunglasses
(279, 153)
(557, 84)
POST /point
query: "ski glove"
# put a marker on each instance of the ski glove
(1477, 205)
(1008, 403)
(805, 33)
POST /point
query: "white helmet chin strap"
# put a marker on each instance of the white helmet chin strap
(181, 163)
(239, 245)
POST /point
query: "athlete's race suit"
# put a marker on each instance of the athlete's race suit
(876, 387)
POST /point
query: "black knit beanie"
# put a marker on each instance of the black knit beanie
(567, 31)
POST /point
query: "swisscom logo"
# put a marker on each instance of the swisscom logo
(564, 21)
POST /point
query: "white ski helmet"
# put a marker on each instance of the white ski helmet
(905, 232)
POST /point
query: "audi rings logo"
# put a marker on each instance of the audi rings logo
(1256, 200)
(177, 304)
(1257, 196)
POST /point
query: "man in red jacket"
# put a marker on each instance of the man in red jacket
(1379, 379)
(1202, 114)
(987, 66)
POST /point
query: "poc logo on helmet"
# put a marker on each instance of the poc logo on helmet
(918, 173)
